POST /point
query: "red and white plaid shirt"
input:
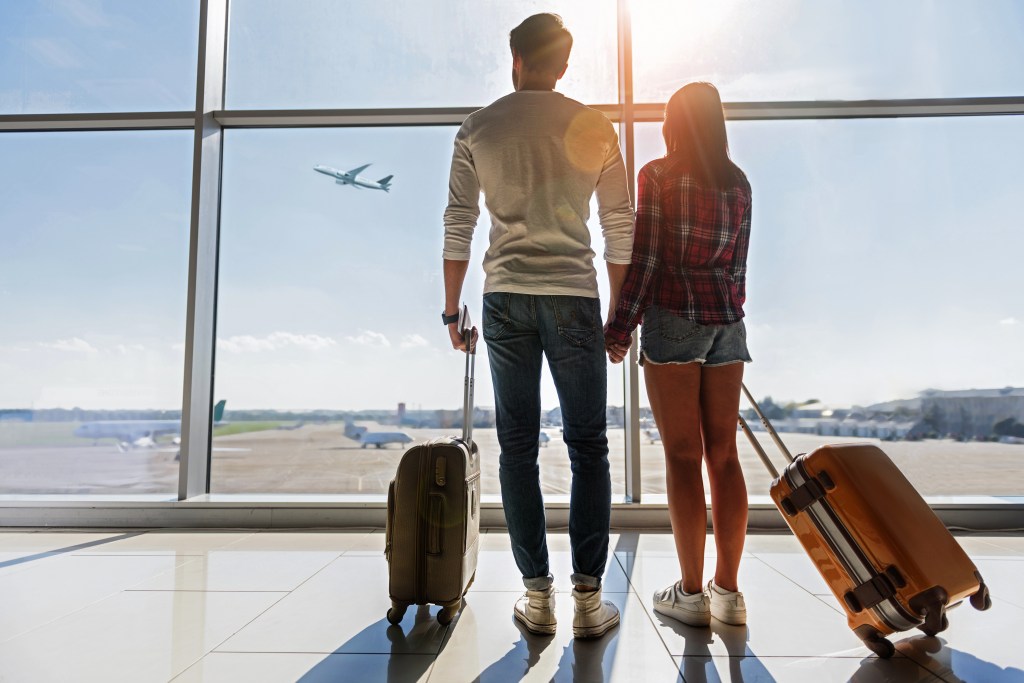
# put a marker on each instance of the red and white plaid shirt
(689, 250)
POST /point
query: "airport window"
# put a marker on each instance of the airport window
(309, 54)
(330, 354)
(95, 56)
(828, 49)
(92, 288)
(883, 293)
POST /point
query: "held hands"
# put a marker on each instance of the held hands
(615, 349)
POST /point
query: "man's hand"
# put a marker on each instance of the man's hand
(458, 340)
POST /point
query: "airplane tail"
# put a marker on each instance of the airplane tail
(218, 411)
(385, 182)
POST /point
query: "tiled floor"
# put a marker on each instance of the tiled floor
(263, 606)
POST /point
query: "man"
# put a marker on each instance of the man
(538, 157)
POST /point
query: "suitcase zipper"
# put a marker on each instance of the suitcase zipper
(421, 537)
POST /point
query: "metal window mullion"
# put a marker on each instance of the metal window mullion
(204, 239)
(630, 368)
(55, 123)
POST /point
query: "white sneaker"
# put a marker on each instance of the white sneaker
(693, 609)
(536, 611)
(727, 606)
(594, 617)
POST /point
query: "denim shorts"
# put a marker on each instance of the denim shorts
(669, 338)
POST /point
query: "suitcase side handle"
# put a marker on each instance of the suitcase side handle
(466, 329)
(771, 432)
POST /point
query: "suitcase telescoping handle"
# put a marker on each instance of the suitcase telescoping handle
(466, 329)
(771, 432)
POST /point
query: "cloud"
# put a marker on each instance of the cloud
(1009, 321)
(72, 345)
(370, 338)
(87, 14)
(277, 340)
(52, 53)
(125, 349)
(412, 341)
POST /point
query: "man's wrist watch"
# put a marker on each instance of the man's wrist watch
(449, 319)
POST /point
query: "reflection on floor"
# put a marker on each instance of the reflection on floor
(267, 606)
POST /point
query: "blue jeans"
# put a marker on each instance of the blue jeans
(519, 330)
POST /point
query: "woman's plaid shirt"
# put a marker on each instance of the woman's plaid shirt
(689, 250)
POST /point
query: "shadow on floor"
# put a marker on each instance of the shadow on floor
(955, 666)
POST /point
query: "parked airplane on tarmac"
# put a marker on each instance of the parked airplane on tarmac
(139, 433)
(379, 439)
(352, 178)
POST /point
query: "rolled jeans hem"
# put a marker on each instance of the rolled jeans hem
(585, 580)
(538, 583)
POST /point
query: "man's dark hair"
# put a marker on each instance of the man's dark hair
(543, 42)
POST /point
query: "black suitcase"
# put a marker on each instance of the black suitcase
(432, 535)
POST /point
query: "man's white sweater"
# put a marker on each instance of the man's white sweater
(538, 157)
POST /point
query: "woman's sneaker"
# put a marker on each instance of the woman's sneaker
(727, 606)
(693, 609)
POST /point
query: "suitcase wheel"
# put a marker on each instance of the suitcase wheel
(875, 641)
(931, 630)
(981, 600)
(397, 612)
(448, 612)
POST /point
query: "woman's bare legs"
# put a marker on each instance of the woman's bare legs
(675, 395)
(719, 406)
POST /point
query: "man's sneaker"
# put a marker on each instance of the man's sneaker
(693, 609)
(594, 617)
(536, 611)
(727, 606)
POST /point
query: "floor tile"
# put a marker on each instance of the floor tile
(798, 568)
(801, 670)
(977, 646)
(169, 543)
(486, 642)
(237, 570)
(31, 542)
(280, 667)
(134, 637)
(371, 544)
(341, 609)
(65, 584)
(339, 541)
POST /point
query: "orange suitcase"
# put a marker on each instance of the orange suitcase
(885, 555)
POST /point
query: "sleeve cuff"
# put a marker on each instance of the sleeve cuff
(455, 255)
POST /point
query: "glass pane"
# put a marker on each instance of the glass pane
(884, 283)
(97, 56)
(328, 316)
(93, 279)
(327, 54)
(829, 49)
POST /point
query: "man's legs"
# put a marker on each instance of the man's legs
(514, 354)
(573, 339)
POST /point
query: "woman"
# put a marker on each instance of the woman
(687, 281)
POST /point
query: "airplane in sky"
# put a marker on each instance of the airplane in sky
(139, 433)
(352, 178)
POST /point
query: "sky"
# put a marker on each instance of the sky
(885, 256)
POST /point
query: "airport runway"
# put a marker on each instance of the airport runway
(318, 458)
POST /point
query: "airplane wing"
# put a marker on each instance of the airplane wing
(356, 171)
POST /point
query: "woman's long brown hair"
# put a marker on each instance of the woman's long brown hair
(695, 135)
